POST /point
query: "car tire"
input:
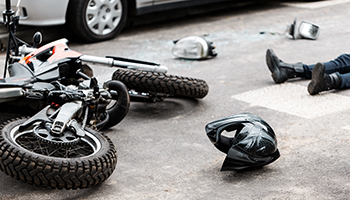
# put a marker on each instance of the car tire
(86, 17)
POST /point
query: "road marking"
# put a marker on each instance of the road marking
(295, 100)
(316, 5)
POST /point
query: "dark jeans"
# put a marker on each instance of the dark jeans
(340, 65)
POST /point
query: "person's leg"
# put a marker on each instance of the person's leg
(345, 84)
(321, 81)
(281, 71)
(340, 64)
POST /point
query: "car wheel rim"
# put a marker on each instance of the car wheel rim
(103, 16)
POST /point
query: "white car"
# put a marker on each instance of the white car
(92, 20)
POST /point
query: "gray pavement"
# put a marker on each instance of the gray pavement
(163, 150)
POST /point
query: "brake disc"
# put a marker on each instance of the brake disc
(67, 137)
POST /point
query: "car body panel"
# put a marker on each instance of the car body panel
(162, 5)
(157, 2)
(143, 3)
(53, 12)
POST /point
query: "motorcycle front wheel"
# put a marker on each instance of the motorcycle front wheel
(174, 86)
(70, 165)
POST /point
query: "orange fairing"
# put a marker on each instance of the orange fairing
(26, 59)
(61, 51)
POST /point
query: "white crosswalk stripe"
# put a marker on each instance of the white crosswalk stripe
(295, 100)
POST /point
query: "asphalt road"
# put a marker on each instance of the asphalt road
(163, 150)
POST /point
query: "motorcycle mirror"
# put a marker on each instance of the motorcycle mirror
(305, 29)
(293, 31)
(37, 39)
(193, 47)
(309, 30)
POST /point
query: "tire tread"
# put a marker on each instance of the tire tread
(178, 86)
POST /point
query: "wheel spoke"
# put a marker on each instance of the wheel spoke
(53, 152)
(78, 152)
(114, 5)
(116, 13)
(92, 11)
(110, 24)
(39, 147)
(93, 22)
(101, 27)
(67, 150)
(97, 3)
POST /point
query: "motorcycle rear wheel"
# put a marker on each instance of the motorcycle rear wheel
(175, 86)
(26, 157)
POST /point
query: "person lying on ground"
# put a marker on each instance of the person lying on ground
(334, 74)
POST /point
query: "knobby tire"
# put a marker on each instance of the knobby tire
(176, 86)
(55, 172)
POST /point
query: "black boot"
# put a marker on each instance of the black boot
(282, 71)
(321, 81)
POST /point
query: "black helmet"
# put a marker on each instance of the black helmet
(253, 145)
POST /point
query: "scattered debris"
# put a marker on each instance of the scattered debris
(194, 48)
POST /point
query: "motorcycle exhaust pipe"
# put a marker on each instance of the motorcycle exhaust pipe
(10, 94)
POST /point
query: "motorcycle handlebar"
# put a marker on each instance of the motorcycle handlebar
(25, 50)
(8, 5)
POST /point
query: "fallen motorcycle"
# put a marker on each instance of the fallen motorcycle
(61, 146)
(58, 147)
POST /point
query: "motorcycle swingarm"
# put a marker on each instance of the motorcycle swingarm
(146, 97)
(40, 116)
